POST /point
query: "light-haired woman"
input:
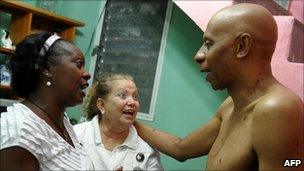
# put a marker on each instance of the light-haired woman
(110, 137)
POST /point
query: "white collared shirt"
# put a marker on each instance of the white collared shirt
(20, 127)
(133, 154)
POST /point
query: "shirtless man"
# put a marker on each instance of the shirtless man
(260, 124)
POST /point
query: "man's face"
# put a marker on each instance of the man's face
(216, 56)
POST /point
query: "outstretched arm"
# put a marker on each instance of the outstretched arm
(196, 144)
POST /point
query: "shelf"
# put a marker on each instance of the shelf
(28, 19)
(17, 6)
(6, 51)
(25, 20)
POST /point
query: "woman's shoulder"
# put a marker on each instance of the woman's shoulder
(11, 124)
(83, 126)
(142, 145)
(15, 111)
(84, 129)
(19, 122)
(20, 127)
(18, 119)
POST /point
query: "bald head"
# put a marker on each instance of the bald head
(248, 18)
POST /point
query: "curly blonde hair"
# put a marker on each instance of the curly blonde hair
(101, 89)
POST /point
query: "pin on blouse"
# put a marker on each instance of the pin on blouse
(140, 157)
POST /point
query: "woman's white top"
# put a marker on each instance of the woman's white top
(133, 154)
(20, 127)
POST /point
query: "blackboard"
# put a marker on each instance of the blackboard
(130, 42)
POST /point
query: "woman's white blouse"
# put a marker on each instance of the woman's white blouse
(21, 127)
(133, 154)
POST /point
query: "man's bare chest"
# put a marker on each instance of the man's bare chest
(232, 149)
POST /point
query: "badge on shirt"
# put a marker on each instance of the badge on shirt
(140, 157)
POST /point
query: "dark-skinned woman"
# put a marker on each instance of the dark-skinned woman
(48, 72)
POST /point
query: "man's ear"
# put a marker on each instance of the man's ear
(244, 45)
(100, 105)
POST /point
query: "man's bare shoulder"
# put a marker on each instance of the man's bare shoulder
(277, 125)
(224, 107)
(279, 101)
(278, 105)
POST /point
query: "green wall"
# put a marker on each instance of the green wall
(185, 100)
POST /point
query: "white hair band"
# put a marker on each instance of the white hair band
(48, 43)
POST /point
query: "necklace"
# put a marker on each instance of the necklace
(64, 132)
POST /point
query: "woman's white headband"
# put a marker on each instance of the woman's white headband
(48, 43)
